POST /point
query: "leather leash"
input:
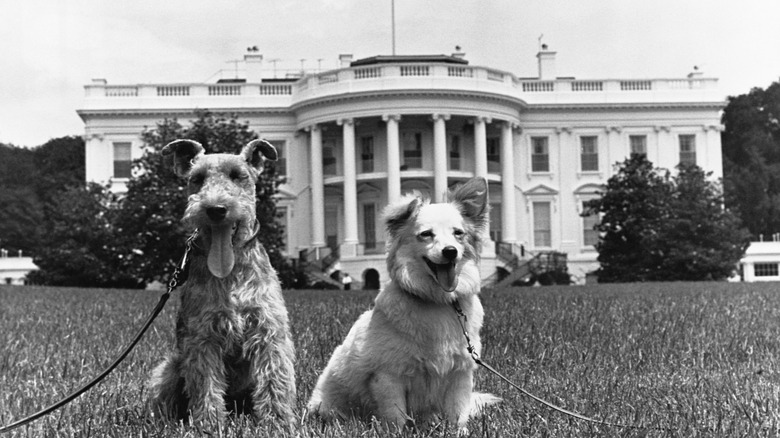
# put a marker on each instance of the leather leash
(172, 284)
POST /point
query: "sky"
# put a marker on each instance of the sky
(50, 49)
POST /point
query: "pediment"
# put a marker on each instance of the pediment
(590, 189)
(541, 190)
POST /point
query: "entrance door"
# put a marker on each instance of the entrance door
(332, 227)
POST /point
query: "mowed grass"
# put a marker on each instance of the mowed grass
(697, 358)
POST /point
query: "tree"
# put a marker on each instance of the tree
(751, 158)
(661, 228)
(80, 249)
(148, 226)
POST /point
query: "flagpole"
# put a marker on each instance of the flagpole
(392, 14)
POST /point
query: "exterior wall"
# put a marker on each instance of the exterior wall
(331, 112)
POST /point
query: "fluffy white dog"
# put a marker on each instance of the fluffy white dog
(406, 358)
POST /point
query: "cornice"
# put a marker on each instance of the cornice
(177, 111)
(625, 106)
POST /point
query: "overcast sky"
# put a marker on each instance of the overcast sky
(50, 49)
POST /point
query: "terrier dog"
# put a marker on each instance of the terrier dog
(407, 358)
(233, 349)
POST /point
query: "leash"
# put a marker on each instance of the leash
(462, 318)
(172, 284)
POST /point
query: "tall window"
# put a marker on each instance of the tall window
(123, 161)
(540, 156)
(494, 154)
(328, 158)
(412, 150)
(542, 224)
(367, 154)
(454, 152)
(590, 237)
(369, 225)
(687, 149)
(589, 154)
(495, 222)
(281, 151)
(638, 144)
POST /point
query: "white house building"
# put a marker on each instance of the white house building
(355, 138)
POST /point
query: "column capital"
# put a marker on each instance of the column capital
(513, 126)
(345, 121)
(615, 128)
(394, 117)
(566, 129)
(95, 136)
(659, 128)
(716, 128)
(484, 119)
(437, 116)
(314, 127)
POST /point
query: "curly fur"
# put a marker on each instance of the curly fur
(406, 358)
(233, 347)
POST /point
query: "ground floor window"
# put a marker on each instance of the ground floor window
(765, 270)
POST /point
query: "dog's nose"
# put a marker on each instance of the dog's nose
(450, 253)
(216, 213)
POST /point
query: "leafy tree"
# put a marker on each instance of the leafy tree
(80, 242)
(22, 211)
(751, 158)
(148, 227)
(661, 228)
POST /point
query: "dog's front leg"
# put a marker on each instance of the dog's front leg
(389, 394)
(457, 399)
(203, 371)
(273, 374)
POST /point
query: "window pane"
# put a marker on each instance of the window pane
(638, 144)
(687, 149)
(540, 158)
(329, 158)
(122, 160)
(412, 142)
(281, 150)
(542, 224)
(494, 155)
(590, 237)
(367, 154)
(455, 152)
(765, 270)
(589, 154)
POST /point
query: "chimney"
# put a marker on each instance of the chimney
(253, 60)
(696, 73)
(546, 63)
(459, 53)
(345, 59)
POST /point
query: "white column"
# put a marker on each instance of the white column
(349, 246)
(317, 189)
(393, 158)
(480, 146)
(440, 157)
(508, 218)
(714, 160)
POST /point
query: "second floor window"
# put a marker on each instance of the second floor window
(589, 154)
(638, 144)
(281, 162)
(123, 162)
(540, 156)
(367, 154)
(328, 158)
(687, 149)
(494, 154)
(454, 152)
(412, 143)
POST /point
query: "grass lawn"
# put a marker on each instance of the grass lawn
(698, 358)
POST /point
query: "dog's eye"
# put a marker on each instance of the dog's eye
(237, 174)
(197, 179)
(426, 234)
(458, 232)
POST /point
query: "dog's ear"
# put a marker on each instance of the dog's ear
(472, 200)
(257, 151)
(400, 213)
(181, 154)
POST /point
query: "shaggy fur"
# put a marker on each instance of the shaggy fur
(233, 349)
(406, 358)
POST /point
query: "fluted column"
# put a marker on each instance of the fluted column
(440, 157)
(508, 219)
(480, 146)
(317, 188)
(349, 246)
(393, 158)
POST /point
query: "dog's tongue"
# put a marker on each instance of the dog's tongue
(221, 258)
(445, 276)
